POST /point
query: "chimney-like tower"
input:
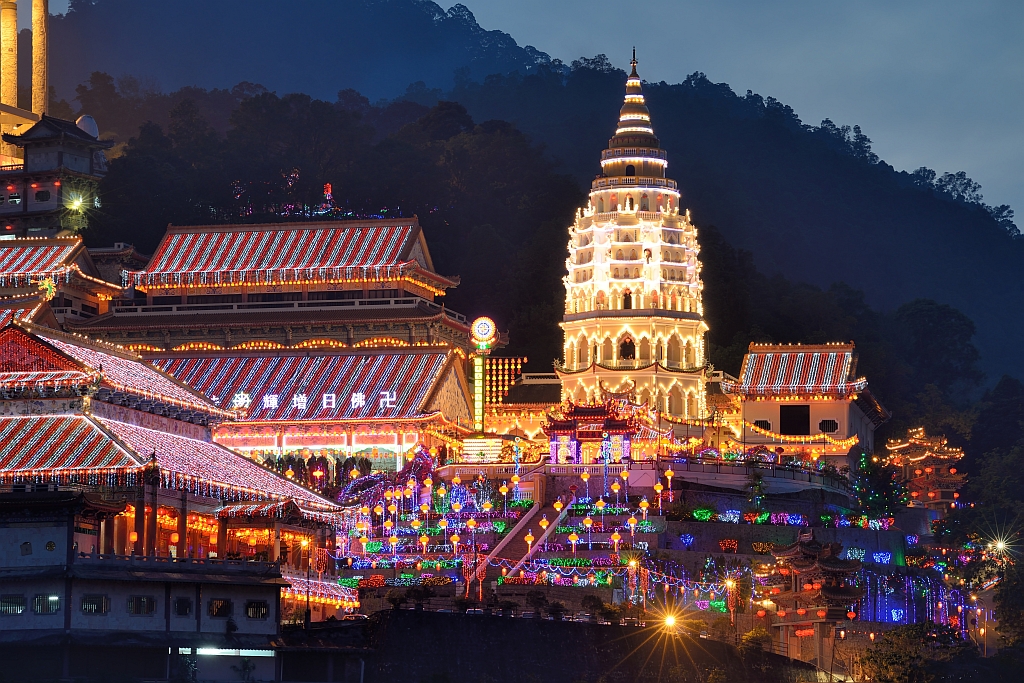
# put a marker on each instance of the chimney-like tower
(9, 52)
(40, 67)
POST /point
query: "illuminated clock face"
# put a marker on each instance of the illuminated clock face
(483, 330)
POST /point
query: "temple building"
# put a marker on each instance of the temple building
(803, 400)
(336, 284)
(80, 292)
(928, 467)
(633, 318)
(81, 414)
(332, 404)
(53, 190)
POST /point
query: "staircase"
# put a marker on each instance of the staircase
(522, 547)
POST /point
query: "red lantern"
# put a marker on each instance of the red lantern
(781, 613)
(174, 538)
(801, 611)
(761, 613)
(821, 613)
(808, 586)
(851, 615)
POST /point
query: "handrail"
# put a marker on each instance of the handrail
(508, 537)
(544, 536)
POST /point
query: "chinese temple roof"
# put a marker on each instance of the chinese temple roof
(590, 421)
(42, 359)
(285, 509)
(798, 369)
(289, 253)
(919, 448)
(291, 385)
(29, 260)
(84, 449)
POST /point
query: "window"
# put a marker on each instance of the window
(828, 426)
(142, 605)
(220, 608)
(14, 198)
(12, 604)
(382, 294)
(46, 604)
(627, 349)
(795, 420)
(763, 424)
(95, 604)
(257, 609)
(630, 170)
(627, 301)
(182, 607)
(166, 300)
(43, 196)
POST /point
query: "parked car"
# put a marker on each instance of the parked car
(581, 617)
(704, 634)
(354, 617)
(528, 615)
(630, 621)
(475, 610)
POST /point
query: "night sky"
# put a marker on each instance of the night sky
(937, 83)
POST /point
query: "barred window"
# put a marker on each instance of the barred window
(182, 607)
(142, 605)
(46, 604)
(828, 426)
(12, 604)
(220, 607)
(257, 609)
(95, 604)
(763, 424)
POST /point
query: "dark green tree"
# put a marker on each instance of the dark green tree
(877, 488)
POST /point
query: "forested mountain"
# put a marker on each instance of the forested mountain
(311, 46)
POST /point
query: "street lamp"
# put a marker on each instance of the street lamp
(424, 540)
(305, 546)
(529, 543)
(668, 475)
(643, 506)
(573, 538)
(503, 489)
(544, 527)
(586, 480)
(632, 528)
(616, 488)
(625, 483)
(615, 539)
(588, 522)
(658, 488)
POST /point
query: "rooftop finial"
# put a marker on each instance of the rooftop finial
(632, 63)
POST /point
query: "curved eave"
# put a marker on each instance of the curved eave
(656, 366)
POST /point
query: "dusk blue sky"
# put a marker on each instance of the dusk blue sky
(937, 83)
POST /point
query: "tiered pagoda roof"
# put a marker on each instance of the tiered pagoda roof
(590, 422)
(291, 253)
(813, 561)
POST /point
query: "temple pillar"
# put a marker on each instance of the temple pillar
(40, 66)
(8, 54)
(275, 545)
(222, 538)
(107, 535)
(140, 522)
(183, 547)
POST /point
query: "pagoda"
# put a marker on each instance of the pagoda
(818, 575)
(927, 465)
(633, 318)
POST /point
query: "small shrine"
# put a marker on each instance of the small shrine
(817, 574)
(928, 467)
(585, 434)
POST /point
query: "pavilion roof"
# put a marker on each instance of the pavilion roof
(86, 449)
(798, 369)
(337, 385)
(36, 357)
(27, 260)
(288, 253)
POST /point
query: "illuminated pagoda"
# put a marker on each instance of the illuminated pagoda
(77, 413)
(804, 400)
(818, 576)
(588, 434)
(332, 404)
(332, 284)
(79, 291)
(928, 467)
(633, 318)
